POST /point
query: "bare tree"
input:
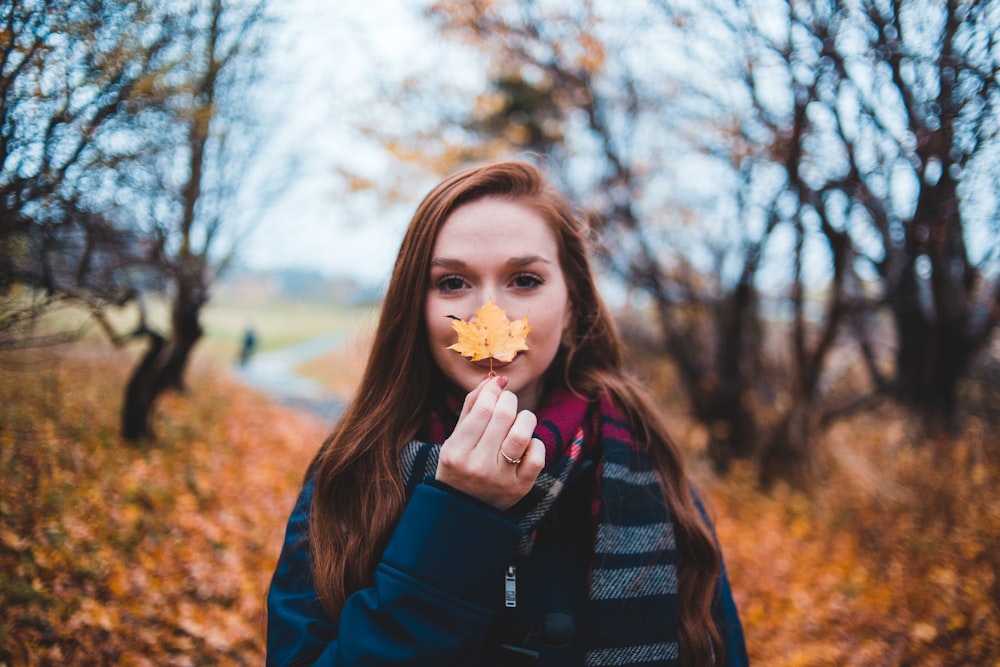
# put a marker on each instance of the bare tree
(923, 79)
(883, 118)
(199, 176)
(72, 75)
(567, 87)
(834, 137)
(122, 154)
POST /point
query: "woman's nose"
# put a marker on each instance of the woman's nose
(487, 293)
(483, 297)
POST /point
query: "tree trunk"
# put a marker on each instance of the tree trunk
(738, 358)
(931, 308)
(931, 359)
(142, 389)
(717, 365)
(162, 366)
(787, 453)
(732, 431)
(187, 330)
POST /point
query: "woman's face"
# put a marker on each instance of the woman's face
(502, 250)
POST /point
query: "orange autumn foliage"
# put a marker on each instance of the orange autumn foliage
(891, 558)
(114, 555)
(161, 556)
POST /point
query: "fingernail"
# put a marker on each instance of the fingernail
(502, 381)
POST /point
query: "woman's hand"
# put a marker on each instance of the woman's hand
(490, 430)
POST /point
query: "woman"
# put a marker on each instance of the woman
(490, 513)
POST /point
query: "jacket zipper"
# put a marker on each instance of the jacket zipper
(510, 587)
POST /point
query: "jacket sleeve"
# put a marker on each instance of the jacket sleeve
(434, 594)
(728, 620)
(727, 617)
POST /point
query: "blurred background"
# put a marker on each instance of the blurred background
(796, 217)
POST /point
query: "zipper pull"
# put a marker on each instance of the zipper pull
(510, 586)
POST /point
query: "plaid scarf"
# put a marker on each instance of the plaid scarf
(632, 618)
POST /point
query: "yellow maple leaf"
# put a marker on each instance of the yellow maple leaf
(490, 335)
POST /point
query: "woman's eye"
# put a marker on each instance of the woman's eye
(450, 284)
(527, 281)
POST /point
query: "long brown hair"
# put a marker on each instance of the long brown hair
(359, 496)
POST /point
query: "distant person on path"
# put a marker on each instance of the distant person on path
(249, 345)
(535, 515)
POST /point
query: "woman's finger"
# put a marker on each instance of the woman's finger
(515, 445)
(532, 462)
(497, 430)
(475, 418)
(470, 398)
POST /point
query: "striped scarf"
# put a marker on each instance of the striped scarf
(632, 618)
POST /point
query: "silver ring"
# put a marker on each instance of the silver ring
(510, 460)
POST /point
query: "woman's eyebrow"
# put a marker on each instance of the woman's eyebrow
(450, 263)
(528, 259)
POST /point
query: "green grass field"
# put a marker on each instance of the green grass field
(278, 323)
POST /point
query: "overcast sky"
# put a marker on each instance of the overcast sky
(325, 57)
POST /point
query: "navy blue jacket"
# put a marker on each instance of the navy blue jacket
(438, 597)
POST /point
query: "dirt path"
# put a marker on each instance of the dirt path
(274, 373)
